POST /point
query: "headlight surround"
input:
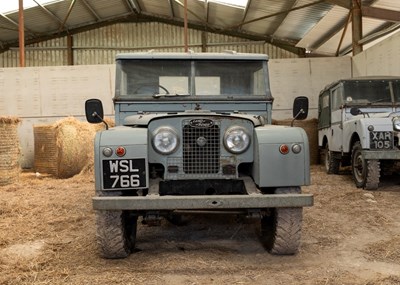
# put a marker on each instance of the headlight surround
(165, 140)
(236, 139)
(396, 124)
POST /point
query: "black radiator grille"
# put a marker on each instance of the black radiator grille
(201, 149)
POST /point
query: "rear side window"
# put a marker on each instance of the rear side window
(324, 114)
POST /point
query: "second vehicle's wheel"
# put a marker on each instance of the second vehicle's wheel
(332, 164)
(281, 230)
(366, 172)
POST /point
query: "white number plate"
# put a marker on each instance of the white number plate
(124, 174)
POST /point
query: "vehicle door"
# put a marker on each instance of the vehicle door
(336, 133)
(324, 117)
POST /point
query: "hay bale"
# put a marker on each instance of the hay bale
(65, 148)
(9, 150)
(88, 169)
(311, 128)
(45, 149)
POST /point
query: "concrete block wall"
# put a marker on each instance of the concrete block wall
(380, 59)
(43, 95)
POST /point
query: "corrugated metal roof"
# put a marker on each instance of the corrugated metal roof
(296, 25)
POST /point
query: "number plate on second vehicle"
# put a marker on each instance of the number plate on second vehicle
(381, 140)
(124, 173)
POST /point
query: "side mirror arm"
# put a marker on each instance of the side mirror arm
(95, 115)
(295, 117)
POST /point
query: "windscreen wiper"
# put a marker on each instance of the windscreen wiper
(169, 95)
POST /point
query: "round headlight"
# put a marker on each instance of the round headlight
(396, 124)
(236, 139)
(165, 140)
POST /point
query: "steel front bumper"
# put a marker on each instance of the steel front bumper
(381, 154)
(155, 202)
(254, 200)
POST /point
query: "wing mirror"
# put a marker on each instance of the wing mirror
(300, 108)
(94, 112)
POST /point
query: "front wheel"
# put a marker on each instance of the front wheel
(366, 172)
(115, 231)
(281, 230)
(332, 164)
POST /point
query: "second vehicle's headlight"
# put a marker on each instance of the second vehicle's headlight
(236, 139)
(396, 124)
(165, 140)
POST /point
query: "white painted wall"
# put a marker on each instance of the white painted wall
(303, 77)
(43, 95)
(380, 59)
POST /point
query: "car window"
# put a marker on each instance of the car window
(138, 78)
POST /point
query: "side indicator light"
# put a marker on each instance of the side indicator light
(120, 151)
(284, 149)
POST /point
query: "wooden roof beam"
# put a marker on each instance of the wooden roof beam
(91, 10)
(245, 12)
(16, 24)
(134, 6)
(191, 12)
(342, 3)
(63, 24)
(206, 9)
(48, 12)
(381, 14)
(276, 14)
(171, 8)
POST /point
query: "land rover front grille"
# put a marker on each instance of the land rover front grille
(201, 149)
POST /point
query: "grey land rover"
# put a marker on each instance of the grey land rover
(193, 135)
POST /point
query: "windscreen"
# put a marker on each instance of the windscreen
(372, 92)
(149, 78)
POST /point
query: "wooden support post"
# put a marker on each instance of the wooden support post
(70, 52)
(21, 33)
(185, 32)
(356, 26)
(203, 41)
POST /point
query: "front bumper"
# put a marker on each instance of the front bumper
(381, 154)
(253, 200)
(208, 202)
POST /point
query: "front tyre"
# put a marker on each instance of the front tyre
(332, 164)
(281, 230)
(115, 232)
(366, 172)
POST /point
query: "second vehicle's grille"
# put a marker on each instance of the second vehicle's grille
(201, 149)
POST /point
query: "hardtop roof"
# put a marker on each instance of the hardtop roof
(190, 55)
(361, 78)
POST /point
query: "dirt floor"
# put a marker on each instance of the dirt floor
(350, 236)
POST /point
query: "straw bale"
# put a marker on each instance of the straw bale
(9, 150)
(45, 149)
(10, 120)
(64, 148)
(311, 128)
